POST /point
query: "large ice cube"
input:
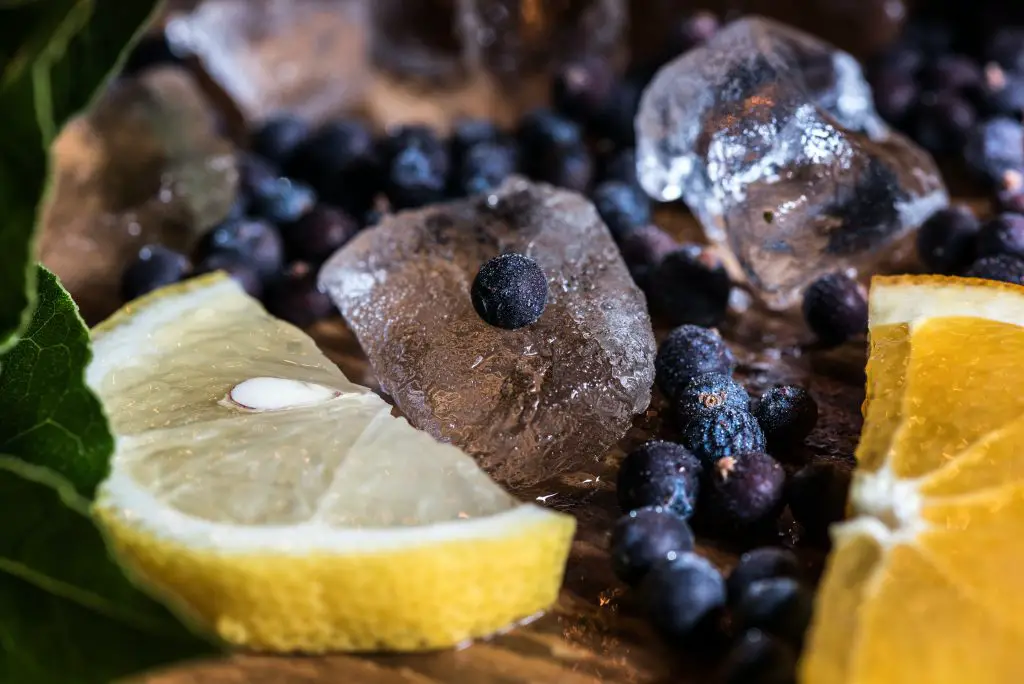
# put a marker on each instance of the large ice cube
(529, 402)
(771, 137)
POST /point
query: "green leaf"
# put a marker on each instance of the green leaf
(49, 417)
(55, 56)
(67, 613)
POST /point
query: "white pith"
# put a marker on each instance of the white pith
(134, 506)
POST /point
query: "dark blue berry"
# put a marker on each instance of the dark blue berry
(155, 266)
(645, 536)
(745, 489)
(572, 169)
(1010, 198)
(240, 270)
(943, 121)
(683, 597)
(482, 168)
(551, 149)
(945, 242)
(255, 242)
(895, 91)
(618, 165)
(759, 658)
(952, 72)
(1004, 268)
(340, 161)
(1005, 47)
(318, 234)
(687, 352)
(297, 298)
(659, 474)
(1002, 235)
(278, 138)
(766, 562)
(780, 606)
(271, 195)
(787, 414)
(622, 206)
(580, 88)
(690, 285)
(993, 148)
(726, 432)
(1003, 92)
(468, 133)
(643, 249)
(542, 129)
(416, 166)
(614, 121)
(510, 291)
(835, 308)
(151, 51)
(709, 393)
(816, 495)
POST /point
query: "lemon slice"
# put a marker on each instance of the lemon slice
(273, 502)
(923, 581)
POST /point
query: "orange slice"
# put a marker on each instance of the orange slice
(922, 584)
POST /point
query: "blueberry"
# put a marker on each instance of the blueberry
(645, 536)
(468, 133)
(835, 308)
(659, 474)
(151, 51)
(766, 562)
(416, 166)
(340, 161)
(687, 352)
(744, 489)
(642, 249)
(759, 658)
(619, 164)
(154, 267)
(255, 242)
(1002, 235)
(240, 270)
(817, 497)
(510, 291)
(786, 415)
(690, 32)
(780, 606)
(622, 206)
(683, 597)
(298, 299)
(709, 393)
(945, 242)
(895, 92)
(614, 121)
(372, 217)
(993, 148)
(952, 72)
(318, 234)
(690, 285)
(1010, 198)
(1003, 92)
(1004, 268)
(1006, 47)
(482, 168)
(552, 150)
(726, 432)
(277, 138)
(943, 121)
(271, 195)
(581, 87)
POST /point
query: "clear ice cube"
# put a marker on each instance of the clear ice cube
(527, 403)
(771, 138)
(309, 57)
(145, 164)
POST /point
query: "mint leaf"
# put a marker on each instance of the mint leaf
(50, 418)
(55, 56)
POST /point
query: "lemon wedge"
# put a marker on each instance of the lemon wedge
(274, 503)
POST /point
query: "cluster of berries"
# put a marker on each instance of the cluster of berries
(954, 242)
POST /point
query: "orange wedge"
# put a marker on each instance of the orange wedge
(925, 579)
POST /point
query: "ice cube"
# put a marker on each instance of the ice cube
(309, 57)
(771, 138)
(528, 403)
(146, 164)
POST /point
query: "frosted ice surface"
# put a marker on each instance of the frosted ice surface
(526, 403)
(771, 138)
